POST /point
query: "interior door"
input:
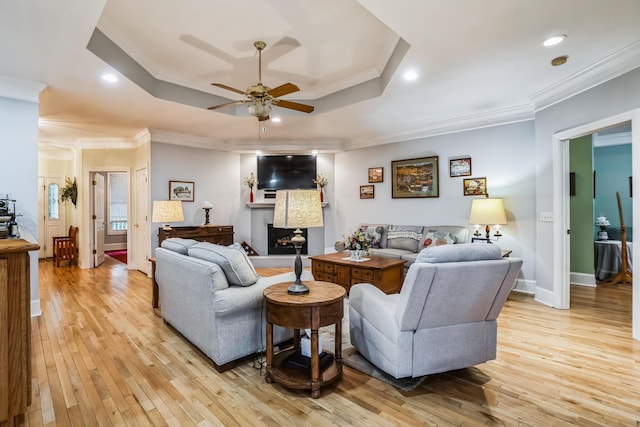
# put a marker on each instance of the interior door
(98, 218)
(141, 225)
(51, 215)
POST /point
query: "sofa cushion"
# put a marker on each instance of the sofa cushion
(234, 262)
(404, 237)
(178, 244)
(462, 252)
(438, 238)
(378, 231)
(390, 252)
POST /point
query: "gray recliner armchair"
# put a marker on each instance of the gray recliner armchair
(444, 317)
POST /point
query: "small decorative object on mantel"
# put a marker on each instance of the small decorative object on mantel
(603, 223)
(321, 182)
(250, 181)
(70, 191)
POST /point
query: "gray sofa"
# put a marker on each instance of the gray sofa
(212, 295)
(406, 241)
(444, 317)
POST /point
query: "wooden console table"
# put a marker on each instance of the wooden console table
(15, 329)
(387, 274)
(218, 234)
(322, 306)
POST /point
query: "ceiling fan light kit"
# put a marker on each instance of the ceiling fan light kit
(261, 98)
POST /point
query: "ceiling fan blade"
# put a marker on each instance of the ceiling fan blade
(263, 118)
(227, 104)
(241, 92)
(282, 90)
(294, 106)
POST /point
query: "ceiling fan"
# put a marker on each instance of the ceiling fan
(261, 98)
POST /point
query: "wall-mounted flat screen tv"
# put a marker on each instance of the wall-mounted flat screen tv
(286, 172)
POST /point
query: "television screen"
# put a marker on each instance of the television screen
(286, 172)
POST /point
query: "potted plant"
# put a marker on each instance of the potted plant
(69, 191)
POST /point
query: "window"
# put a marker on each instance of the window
(53, 199)
(117, 203)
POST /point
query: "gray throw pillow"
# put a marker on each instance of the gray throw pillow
(234, 262)
(461, 252)
(405, 237)
(178, 244)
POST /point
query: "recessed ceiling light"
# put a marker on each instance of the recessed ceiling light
(276, 119)
(410, 75)
(110, 77)
(552, 41)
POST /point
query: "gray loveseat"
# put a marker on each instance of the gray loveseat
(212, 295)
(406, 241)
(444, 317)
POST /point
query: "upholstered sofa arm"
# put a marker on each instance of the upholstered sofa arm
(239, 298)
(376, 306)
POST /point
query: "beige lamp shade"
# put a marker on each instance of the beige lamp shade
(297, 209)
(207, 205)
(167, 211)
(487, 212)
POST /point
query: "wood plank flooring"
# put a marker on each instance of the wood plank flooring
(101, 357)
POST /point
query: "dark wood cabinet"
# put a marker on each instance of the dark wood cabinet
(218, 234)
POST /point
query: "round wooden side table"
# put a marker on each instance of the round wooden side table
(322, 306)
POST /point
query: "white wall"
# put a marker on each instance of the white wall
(619, 95)
(503, 154)
(19, 171)
(217, 179)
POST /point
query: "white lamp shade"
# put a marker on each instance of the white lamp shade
(167, 211)
(297, 209)
(207, 205)
(487, 211)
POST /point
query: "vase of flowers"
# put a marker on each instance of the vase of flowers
(357, 244)
(603, 223)
(250, 181)
(321, 182)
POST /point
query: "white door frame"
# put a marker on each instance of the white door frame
(561, 245)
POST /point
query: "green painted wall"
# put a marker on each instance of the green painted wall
(581, 205)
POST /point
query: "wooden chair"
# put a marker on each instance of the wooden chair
(65, 248)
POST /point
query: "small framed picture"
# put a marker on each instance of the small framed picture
(182, 190)
(367, 191)
(460, 167)
(475, 186)
(375, 174)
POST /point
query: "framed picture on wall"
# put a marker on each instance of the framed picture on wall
(460, 167)
(475, 186)
(182, 190)
(367, 191)
(414, 178)
(375, 174)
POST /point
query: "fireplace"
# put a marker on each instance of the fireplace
(279, 241)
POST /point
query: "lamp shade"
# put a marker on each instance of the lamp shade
(297, 208)
(487, 211)
(167, 211)
(207, 205)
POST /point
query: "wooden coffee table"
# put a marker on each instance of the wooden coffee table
(322, 306)
(385, 273)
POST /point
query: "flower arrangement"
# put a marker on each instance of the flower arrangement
(321, 181)
(250, 180)
(602, 222)
(357, 241)
(69, 191)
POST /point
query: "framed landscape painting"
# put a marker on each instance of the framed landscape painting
(475, 186)
(182, 190)
(460, 167)
(415, 178)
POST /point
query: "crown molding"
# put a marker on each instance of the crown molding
(186, 140)
(503, 116)
(105, 143)
(286, 146)
(21, 90)
(614, 65)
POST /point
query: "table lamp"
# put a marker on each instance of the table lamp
(167, 211)
(207, 206)
(295, 209)
(487, 212)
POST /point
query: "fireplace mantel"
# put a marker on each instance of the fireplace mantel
(271, 205)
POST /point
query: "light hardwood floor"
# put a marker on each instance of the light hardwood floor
(102, 357)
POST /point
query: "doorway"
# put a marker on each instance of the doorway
(52, 213)
(561, 245)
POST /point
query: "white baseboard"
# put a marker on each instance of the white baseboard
(583, 279)
(115, 246)
(525, 286)
(35, 308)
(544, 296)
